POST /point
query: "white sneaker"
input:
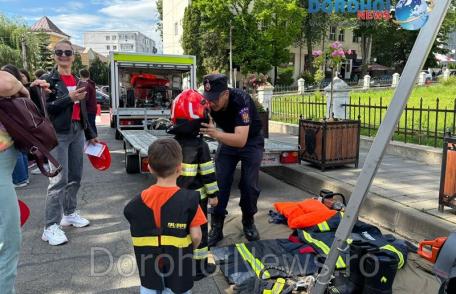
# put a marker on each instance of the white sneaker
(22, 185)
(35, 171)
(74, 220)
(54, 235)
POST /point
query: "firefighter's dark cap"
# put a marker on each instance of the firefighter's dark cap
(214, 85)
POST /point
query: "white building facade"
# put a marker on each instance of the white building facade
(119, 41)
(173, 16)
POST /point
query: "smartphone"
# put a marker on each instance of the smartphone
(81, 84)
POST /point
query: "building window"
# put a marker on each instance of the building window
(126, 47)
(107, 38)
(332, 33)
(114, 47)
(356, 38)
(341, 35)
(108, 47)
(113, 38)
(176, 28)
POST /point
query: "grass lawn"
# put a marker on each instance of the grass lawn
(416, 126)
(445, 94)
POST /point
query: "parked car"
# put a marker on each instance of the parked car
(104, 89)
(103, 100)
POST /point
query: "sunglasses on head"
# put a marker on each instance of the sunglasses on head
(67, 53)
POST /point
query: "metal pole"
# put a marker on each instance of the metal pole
(419, 53)
(231, 55)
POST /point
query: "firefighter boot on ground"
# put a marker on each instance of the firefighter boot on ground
(380, 271)
(250, 230)
(216, 232)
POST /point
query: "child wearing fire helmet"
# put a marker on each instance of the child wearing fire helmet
(188, 111)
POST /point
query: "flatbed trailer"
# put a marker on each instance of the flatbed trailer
(137, 142)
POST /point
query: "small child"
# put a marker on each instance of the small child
(189, 110)
(165, 224)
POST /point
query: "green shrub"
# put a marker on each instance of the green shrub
(308, 77)
(450, 82)
(285, 77)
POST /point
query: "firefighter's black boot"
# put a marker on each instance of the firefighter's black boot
(381, 271)
(250, 230)
(350, 281)
(216, 232)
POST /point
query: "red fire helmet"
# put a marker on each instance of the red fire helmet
(104, 161)
(189, 105)
(24, 211)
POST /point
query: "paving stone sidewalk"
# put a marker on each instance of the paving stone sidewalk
(409, 183)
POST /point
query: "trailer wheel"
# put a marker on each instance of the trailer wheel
(118, 135)
(131, 163)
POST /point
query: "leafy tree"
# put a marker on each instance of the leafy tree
(258, 37)
(275, 18)
(44, 56)
(16, 43)
(192, 45)
(392, 45)
(99, 72)
(314, 28)
(77, 64)
(159, 25)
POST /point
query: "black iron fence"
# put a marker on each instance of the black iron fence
(421, 122)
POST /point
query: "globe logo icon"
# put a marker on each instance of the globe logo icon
(412, 14)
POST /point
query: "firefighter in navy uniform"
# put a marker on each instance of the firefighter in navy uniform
(189, 110)
(242, 140)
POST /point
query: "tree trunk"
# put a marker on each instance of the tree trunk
(300, 58)
(309, 45)
(275, 76)
(309, 55)
(365, 46)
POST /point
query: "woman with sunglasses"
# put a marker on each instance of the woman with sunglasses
(67, 109)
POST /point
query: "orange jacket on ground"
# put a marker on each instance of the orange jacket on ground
(303, 214)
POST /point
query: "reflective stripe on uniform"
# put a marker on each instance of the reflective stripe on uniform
(399, 254)
(340, 262)
(202, 192)
(145, 241)
(324, 227)
(211, 188)
(153, 241)
(189, 170)
(255, 263)
(176, 241)
(206, 168)
(201, 253)
(277, 288)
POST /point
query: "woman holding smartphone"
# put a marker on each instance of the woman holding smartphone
(67, 109)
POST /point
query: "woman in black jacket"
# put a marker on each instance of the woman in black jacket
(67, 110)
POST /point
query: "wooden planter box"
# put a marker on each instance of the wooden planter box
(329, 144)
(447, 193)
(264, 117)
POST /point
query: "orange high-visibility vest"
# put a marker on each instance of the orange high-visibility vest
(303, 214)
